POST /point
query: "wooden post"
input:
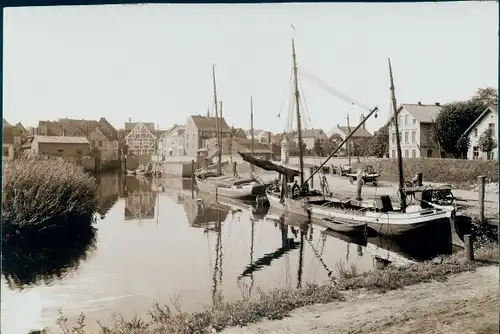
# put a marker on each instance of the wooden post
(234, 168)
(311, 170)
(480, 193)
(469, 249)
(216, 193)
(359, 184)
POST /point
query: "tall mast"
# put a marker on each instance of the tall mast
(216, 119)
(251, 128)
(349, 141)
(297, 106)
(220, 140)
(398, 142)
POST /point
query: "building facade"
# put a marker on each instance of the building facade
(58, 146)
(309, 137)
(199, 130)
(140, 138)
(487, 120)
(7, 142)
(171, 143)
(415, 122)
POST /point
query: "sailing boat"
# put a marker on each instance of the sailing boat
(381, 217)
(226, 185)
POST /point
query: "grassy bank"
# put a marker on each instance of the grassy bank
(455, 171)
(278, 303)
(38, 190)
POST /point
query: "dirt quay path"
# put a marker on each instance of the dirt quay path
(465, 303)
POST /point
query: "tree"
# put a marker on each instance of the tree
(335, 140)
(452, 122)
(488, 96)
(486, 141)
(379, 143)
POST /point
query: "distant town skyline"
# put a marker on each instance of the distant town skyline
(153, 63)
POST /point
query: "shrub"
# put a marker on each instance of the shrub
(35, 190)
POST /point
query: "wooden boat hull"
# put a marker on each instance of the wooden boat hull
(384, 223)
(244, 191)
(344, 227)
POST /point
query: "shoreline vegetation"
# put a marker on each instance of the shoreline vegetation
(41, 193)
(278, 303)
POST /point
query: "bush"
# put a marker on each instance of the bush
(35, 190)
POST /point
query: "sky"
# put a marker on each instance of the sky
(153, 63)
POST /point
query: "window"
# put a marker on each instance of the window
(406, 119)
(407, 154)
(413, 153)
(429, 153)
(414, 136)
(100, 143)
(491, 126)
(406, 137)
(5, 151)
(475, 152)
(414, 121)
(394, 137)
(393, 153)
(475, 132)
(490, 155)
(78, 151)
(60, 150)
(400, 120)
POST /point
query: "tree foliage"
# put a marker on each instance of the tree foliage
(486, 141)
(379, 143)
(453, 121)
(488, 96)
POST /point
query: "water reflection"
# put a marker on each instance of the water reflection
(201, 250)
(140, 199)
(48, 255)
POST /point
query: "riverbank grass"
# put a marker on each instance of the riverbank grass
(277, 303)
(36, 190)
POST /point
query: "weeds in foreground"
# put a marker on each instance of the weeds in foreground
(278, 303)
(37, 189)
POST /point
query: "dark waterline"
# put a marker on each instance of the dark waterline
(157, 241)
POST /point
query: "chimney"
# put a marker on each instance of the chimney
(361, 118)
(130, 119)
(269, 137)
(438, 104)
(419, 103)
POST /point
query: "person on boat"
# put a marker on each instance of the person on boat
(295, 189)
(304, 190)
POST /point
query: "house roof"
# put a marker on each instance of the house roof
(424, 113)
(360, 133)
(8, 135)
(27, 142)
(160, 133)
(311, 133)
(204, 123)
(480, 118)
(61, 139)
(239, 133)
(19, 130)
(5, 123)
(107, 129)
(73, 126)
(53, 128)
(131, 125)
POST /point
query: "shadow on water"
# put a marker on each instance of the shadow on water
(47, 255)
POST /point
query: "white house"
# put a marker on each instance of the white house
(487, 120)
(309, 136)
(171, 143)
(415, 123)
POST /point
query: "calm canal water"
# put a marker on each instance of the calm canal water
(156, 242)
